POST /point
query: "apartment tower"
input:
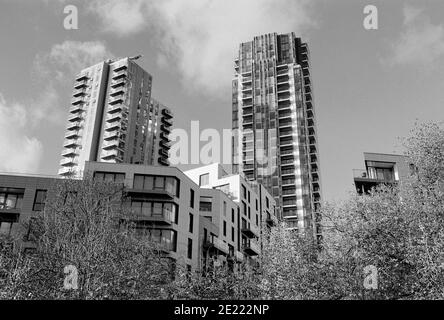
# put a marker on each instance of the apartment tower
(275, 140)
(114, 119)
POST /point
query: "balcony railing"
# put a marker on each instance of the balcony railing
(166, 217)
(251, 248)
(250, 231)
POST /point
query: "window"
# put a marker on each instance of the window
(244, 207)
(109, 176)
(225, 228)
(167, 239)
(39, 201)
(248, 196)
(190, 249)
(11, 198)
(204, 179)
(205, 204)
(148, 182)
(232, 215)
(225, 209)
(191, 198)
(257, 206)
(190, 227)
(5, 228)
(268, 202)
(257, 219)
(232, 233)
(244, 192)
(249, 213)
(167, 210)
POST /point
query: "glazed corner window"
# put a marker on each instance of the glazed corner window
(204, 179)
(109, 176)
(11, 198)
(39, 201)
(149, 182)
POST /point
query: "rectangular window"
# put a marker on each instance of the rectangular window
(268, 203)
(116, 177)
(244, 192)
(244, 208)
(204, 179)
(257, 206)
(248, 196)
(249, 213)
(205, 204)
(225, 209)
(11, 198)
(39, 200)
(232, 215)
(191, 198)
(190, 249)
(190, 227)
(232, 234)
(5, 228)
(225, 228)
(257, 219)
(148, 182)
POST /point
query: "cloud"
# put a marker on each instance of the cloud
(421, 41)
(19, 153)
(57, 69)
(200, 38)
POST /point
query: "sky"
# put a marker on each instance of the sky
(370, 86)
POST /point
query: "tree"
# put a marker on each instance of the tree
(84, 228)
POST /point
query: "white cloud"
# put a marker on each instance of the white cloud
(18, 152)
(200, 38)
(57, 68)
(421, 42)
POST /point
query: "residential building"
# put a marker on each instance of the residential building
(164, 203)
(381, 168)
(21, 196)
(255, 205)
(114, 119)
(275, 136)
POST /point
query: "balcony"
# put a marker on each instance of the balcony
(115, 100)
(165, 144)
(164, 153)
(66, 171)
(163, 161)
(71, 143)
(79, 93)
(167, 113)
(77, 101)
(109, 154)
(112, 144)
(118, 83)
(165, 128)
(80, 85)
(250, 231)
(114, 109)
(112, 126)
(166, 121)
(68, 162)
(111, 135)
(307, 96)
(76, 108)
(119, 75)
(71, 135)
(112, 117)
(251, 248)
(74, 126)
(69, 153)
(120, 68)
(75, 117)
(82, 77)
(117, 91)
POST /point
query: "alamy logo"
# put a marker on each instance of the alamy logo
(71, 278)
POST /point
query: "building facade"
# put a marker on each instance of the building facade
(256, 209)
(275, 136)
(114, 119)
(381, 168)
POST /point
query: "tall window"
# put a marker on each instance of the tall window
(191, 198)
(190, 227)
(204, 179)
(232, 233)
(244, 192)
(225, 209)
(232, 215)
(190, 249)
(225, 228)
(5, 228)
(39, 201)
(11, 198)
